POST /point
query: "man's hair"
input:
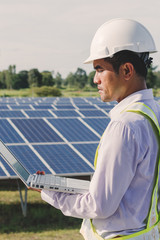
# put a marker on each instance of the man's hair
(122, 57)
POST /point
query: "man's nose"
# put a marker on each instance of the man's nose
(96, 79)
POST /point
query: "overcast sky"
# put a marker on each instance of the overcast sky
(56, 34)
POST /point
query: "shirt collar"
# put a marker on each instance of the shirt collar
(142, 95)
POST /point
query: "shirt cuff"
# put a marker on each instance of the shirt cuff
(50, 197)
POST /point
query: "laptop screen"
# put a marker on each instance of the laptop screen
(21, 170)
(13, 162)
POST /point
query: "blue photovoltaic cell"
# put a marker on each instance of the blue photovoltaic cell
(65, 113)
(92, 113)
(28, 158)
(3, 107)
(73, 130)
(87, 150)
(2, 173)
(38, 113)
(43, 107)
(86, 106)
(11, 114)
(65, 106)
(36, 130)
(20, 106)
(93, 100)
(63, 159)
(10, 171)
(79, 101)
(98, 124)
(104, 106)
(63, 101)
(48, 99)
(8, 134)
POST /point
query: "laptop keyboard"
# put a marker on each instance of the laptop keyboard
(49, 180)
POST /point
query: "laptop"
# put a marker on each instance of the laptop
(48, 181)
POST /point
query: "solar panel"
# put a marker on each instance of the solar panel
(65, 106)
(85, 106)
(66, 113)
(11, 114)
(98, 124)
(28, 158)
(63, 159)
(8, 170)
(73, 130)
(88, 150)
(36, 130)
(2, 173)
(93, 113)
(4, 107)
(26, 106)
(57, 135)
(38, 113)
(43, 106)
(8, 134)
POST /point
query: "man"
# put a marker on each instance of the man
(121, 190)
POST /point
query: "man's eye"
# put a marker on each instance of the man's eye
(100, 70)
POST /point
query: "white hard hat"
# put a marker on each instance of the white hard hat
(120, 34)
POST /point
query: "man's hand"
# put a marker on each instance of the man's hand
(38, 173)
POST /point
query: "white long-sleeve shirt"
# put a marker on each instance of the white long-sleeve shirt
(120, 191)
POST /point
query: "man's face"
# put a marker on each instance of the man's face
(109, 83)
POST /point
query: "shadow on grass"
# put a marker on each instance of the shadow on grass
(39, 217)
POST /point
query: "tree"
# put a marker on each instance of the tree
(10, 75)
(158, 79)
(70, 80)
(46, 91)
(58, 80)
(80, 78)
(20, 80)
(151, 78)
(90, 79)
(3, 80)
(34, 78)
(47, 79)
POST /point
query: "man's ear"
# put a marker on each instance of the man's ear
(127, 70)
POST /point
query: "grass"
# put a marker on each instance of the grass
(65, 93)
(42, 220)
(45, 235)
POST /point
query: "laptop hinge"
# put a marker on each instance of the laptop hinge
(23, 201)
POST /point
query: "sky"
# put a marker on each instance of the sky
(55, 35)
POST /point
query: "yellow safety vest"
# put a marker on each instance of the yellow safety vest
(153, 214)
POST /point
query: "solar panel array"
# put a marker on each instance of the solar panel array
(57, 135)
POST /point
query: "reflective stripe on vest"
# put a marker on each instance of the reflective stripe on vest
(153, 216)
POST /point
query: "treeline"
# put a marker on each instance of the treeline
(9, 79)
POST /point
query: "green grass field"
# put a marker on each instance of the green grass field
(43, 222)
(65, 93)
